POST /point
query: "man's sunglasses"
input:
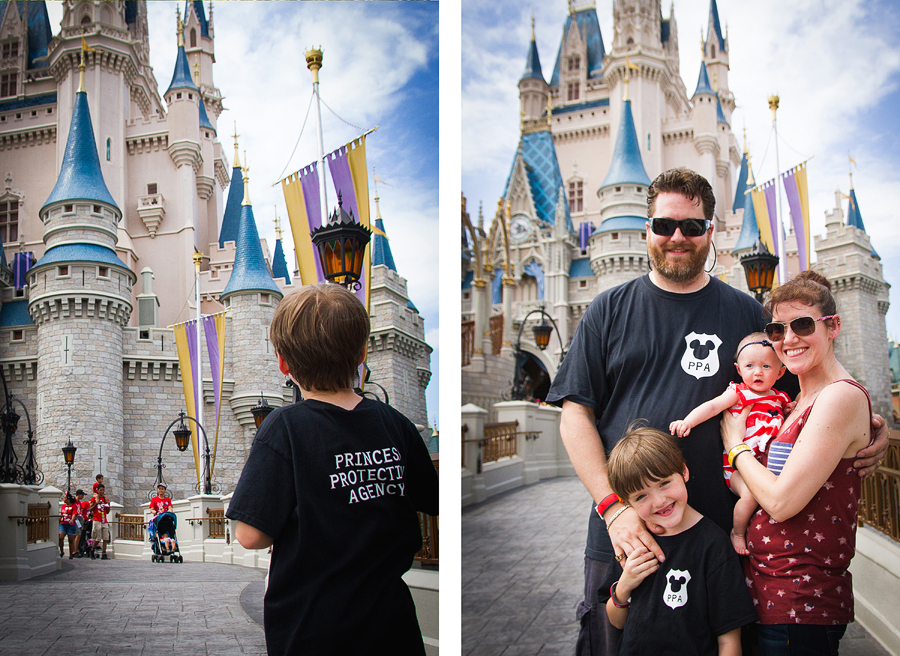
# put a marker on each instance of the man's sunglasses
(689, 227)
(801, 327)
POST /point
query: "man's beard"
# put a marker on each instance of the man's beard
(681, 271)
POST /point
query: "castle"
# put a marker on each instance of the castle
(572, 217)
(110, 188)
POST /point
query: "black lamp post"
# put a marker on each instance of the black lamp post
(541, 332)
(69, 456)
(261, 410)
(342, 245)
(759, 268)
(28, 473)
(368, 381)
(182, 440)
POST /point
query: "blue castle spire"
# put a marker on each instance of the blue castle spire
(742, 185)
(181, 76)
(80, 177)
(231, 218)
(585, 21)
(715, 27)
(854, 218)
(533, 62)
(204, 117)
(381, 247)
(703, 85)
(627, 165)
(279, 263)
(250, 272)
(197, 6)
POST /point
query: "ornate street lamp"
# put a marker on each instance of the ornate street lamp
(28, 473)
(759, 268)
(182, 441)
(542, 333)
(342, 245)
(261, 410)
(69, 455)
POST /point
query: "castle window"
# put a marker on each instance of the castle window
(10, 50)
(96, 209)
(648, 141)
(190, 96)
(34, 113)
(265, 299)
(49, 110)
(178, 96)
(465, 296)
(193, 38)
(9, 221)
(103, 272)
(144, 335)
(582, 284)
(207, 135)
(573, 91)
(108, 149)
(68, 208)
(576, 196)
(639, 189)
(574, 63)
(18, 335)
(712, 47)
(630, 42)
(618, 190)
(62, 270)
(85, 19)
(643, 236)
(615, 236)
(151, 188)
(9, 86)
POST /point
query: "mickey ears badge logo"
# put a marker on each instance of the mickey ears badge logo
(701, 355)
(676, 593)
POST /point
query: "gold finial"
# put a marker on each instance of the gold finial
(716, 81)
(773, 105)
(532, 25)
(237, 159)
(850, 169)
(179, 27)
(702, 44)
(81, 88)
(277, 225)
(314, 62)
(197, 68)
(245, 169)
(629, 66)
(745, 139)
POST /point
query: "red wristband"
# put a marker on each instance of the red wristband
(604, 505)
(612, 595)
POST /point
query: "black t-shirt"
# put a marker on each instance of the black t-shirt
(338, 490)
(695, 596)
(641, 352)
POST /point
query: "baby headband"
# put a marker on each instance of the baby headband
(764, 342)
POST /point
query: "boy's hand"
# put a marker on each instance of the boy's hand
(680, 428)
(638, 566)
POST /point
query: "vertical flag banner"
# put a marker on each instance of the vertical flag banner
(214, 329)
(186, 345)
(766, 214)
(797, 191)
(21, 263)
(585, 230)
(301, 195)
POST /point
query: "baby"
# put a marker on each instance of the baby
(759, 368)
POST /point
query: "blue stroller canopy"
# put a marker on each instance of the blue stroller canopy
(165, 522)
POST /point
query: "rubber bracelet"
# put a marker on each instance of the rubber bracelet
(612, 595)
(747, 450)
(608, 500)
(735, 452)
(616, 514)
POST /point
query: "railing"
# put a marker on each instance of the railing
(496, 334)
(499, 440)
(37, 520)
(131, 527)
(468, 342)
(428, 554)
(216, 522)
(879, 506)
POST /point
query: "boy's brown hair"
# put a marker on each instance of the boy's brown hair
(644, 455)
(321, 332)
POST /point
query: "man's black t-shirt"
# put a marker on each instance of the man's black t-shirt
(641, 352)
(338, 490)
(696, 595)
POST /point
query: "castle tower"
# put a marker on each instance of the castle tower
(279, 263)
(619, 246)
(398, 355)
(846, 257)
(533, 90)
(579, 62)
(704, 115)
(231, 219)
(251, 296)
(80, 301)
(715, 54)
(199, 45)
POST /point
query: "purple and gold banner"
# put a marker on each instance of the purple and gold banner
(214, 329)
(797, 191)
(766, 214)
(186, 345)
(301, 195)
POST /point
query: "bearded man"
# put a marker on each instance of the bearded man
(653, 349)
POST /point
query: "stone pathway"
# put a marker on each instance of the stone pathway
(523, 574)
(127, 607)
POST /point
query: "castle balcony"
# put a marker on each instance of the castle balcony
(152, 210)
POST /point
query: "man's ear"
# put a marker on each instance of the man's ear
(282, 365)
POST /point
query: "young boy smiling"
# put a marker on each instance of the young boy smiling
(695, 602)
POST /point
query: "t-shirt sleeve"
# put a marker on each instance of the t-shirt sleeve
(730, 605)
(582, 375)
(421, 476)
(264, 496)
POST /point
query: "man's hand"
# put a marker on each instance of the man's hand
(870, 458)
(628, 533)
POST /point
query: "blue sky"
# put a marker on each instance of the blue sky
(834, 63)
(380, 68)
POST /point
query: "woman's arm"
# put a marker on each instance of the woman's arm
(837, 427)
(703, 412)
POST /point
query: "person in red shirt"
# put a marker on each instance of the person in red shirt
(160, 503)
(67, 512)
(97, 483)
(81, 516)
(99, 506)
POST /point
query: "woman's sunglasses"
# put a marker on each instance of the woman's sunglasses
(689, 227)
(801, 327)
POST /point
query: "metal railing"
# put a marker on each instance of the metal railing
(131, 527)
(468, 342)
(428, 554)
(496, 334)
(216, 522)
(879, 506)
(499, 440)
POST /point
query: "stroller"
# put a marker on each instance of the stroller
(164, 523)
(86, 544)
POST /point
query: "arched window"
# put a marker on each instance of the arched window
(193, 37)
(630, 42)
(713, 50)
(108, 149)
(85, 19)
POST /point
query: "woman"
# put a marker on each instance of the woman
(803, 537)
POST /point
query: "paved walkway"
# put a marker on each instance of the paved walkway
(522, 573)
(127, 607)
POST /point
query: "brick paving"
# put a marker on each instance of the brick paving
(132, 608)
(523, 573)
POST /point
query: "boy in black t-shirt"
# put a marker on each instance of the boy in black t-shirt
(334, 483)
(695, 602)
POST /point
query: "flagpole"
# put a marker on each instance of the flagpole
(779, 238)
(198, 403)
(314, 63)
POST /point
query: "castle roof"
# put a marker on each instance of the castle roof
(715, 27)
(580, 107)
(250, 272)
(581, 268)
(279, 263)
(80, 177)
(533, 63)
(39, 32)
(742, 185)
(80, 253)
(623, 223)
(381, 247)
(204, 117)
(181, 76)
(720, 115)
(231, 219)
(15, 313)
(201, 15)
(626, 164)
(544, 177)
(749, 228)
(585, 19)
(854, 218)
(703, 85)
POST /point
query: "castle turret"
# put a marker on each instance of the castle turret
(715, 54)
(533, 90)
(279, 263)
(80, 300)
(704, 115)
(251, 296)
(579, 62)
(231, 219)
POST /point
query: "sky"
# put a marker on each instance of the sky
(835, 64)
(380, 68)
